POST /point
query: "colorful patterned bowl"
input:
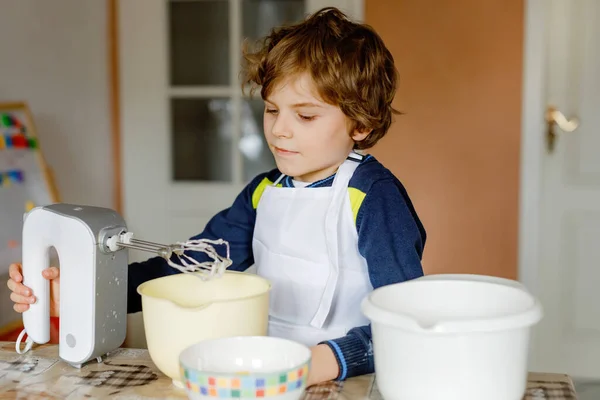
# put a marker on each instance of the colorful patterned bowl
(251, 367)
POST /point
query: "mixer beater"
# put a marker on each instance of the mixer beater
(204, 270)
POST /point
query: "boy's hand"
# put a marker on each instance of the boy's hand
(23, 296)
(324, 366)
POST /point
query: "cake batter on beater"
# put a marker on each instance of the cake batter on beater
(329, 224)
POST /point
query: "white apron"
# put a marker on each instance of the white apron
(305, 243)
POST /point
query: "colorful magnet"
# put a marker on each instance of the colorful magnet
(4, 180)
(7, 120)
(29, 205)
(16, 175)
(9, 177)
(19, 141)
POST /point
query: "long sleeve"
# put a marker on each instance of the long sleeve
(234, 224)
(391, 239)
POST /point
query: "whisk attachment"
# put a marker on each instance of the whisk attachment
(187, 264)
(206, 269)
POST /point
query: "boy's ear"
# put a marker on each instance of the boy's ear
(360, 135)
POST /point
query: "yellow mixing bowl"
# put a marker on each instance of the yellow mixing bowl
(181, 310)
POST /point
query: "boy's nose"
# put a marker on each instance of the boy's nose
(280, 128)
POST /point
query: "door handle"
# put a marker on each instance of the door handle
(556, 118)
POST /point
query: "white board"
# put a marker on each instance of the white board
(25, 179)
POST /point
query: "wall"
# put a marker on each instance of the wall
(54, 57)
(457, 147)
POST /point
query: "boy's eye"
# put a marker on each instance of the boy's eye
(306, 117)
(271, 111)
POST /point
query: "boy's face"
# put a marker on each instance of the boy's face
(308, 137)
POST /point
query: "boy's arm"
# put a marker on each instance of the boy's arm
(391, 238)
(234, 224)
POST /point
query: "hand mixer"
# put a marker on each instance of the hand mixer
(91, 243)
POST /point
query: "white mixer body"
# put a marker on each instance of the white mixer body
(93, 279)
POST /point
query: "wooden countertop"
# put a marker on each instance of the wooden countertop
(130, 374)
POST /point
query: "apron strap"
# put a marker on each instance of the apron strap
(279, 179)
(340, 190)
(355, 157)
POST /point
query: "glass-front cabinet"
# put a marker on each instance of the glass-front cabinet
(190, 139)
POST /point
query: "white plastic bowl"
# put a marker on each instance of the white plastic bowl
(245, 368)
(450, 337)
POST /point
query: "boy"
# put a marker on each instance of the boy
(328, 225)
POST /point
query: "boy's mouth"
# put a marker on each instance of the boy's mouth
(284, 152)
